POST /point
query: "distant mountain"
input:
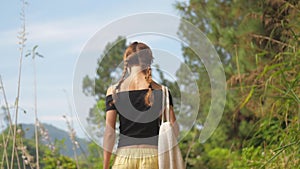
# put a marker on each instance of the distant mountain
(58, 134)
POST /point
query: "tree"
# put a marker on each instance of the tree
(107, 73)
(258, 43)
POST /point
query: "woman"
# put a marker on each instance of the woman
(136, 98)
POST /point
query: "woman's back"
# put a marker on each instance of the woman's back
(139, 122)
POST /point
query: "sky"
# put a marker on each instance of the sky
(61, 29)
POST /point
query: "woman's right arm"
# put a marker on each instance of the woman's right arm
(173, 121)
(109, 135)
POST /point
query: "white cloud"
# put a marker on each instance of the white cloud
(61, 31)
(54, 31)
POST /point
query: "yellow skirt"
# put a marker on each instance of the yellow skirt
(136, 158)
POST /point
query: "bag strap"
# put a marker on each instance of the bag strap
(165, 105)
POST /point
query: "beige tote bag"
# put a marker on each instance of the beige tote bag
(169, 155)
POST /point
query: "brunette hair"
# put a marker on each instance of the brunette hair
(139, 54)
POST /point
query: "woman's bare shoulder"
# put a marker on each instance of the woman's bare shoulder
(110, 90)
(156, 86)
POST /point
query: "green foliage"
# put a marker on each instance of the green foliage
(26, 152)
(107, 70)
(95, 155)
(218, 158)
(53, 161)
(258, 43)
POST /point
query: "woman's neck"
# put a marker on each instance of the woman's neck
(135, 80)
(136, 72)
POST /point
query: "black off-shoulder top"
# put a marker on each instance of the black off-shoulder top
(139, 123)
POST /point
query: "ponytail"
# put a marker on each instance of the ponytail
(148, 97)
(121, 80)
